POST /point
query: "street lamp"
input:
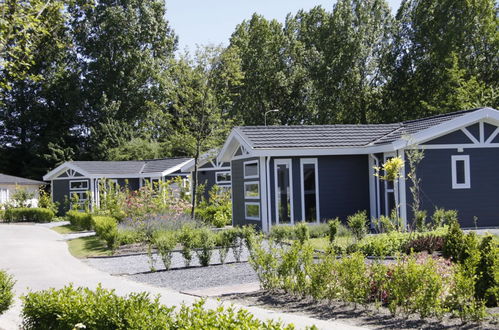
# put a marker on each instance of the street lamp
(265, 115)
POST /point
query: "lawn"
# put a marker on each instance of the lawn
(66, 229)
(90, 246)
(323, 242)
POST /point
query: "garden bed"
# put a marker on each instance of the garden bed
(369, 316)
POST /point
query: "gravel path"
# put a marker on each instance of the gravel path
(128, 265)
(200, 277)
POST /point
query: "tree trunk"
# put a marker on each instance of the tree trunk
(195, 182)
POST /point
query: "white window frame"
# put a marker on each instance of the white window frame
(257, 175)
(249, 183)
(78, 189)
(246, 211)
(224, 173)
(393, 190)
(78, 192)
(6, 193)
(309, 161)
(467, 175)
(289, 162)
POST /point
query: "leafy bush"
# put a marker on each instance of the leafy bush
(333, 229)
(318, 230)
(487, 285)
(129, 236)
(358, 224)
(80, 220)
(225, 240)
(107, 229)
(45, 201)
(205, 242)
(281, 233)
(420, 220)
(302, 232)
(217, 210)
(443, 217)
(6, 293)
(165, 242)
(71, 308)
(187, 238)
(28, 214)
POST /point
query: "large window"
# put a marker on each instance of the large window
(222, 177)
(78, 185)
(251, 169)
(251, 190)
(252, 211)
(309, 190)
(461, 172)
(390, 201)
(283, 191)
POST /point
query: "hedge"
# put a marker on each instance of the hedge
(80, 220)
(28, 214)
(71, 308)
(6, 293)
(106, 228)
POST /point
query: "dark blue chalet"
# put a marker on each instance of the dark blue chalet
(286, 174)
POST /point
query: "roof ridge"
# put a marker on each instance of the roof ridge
(401, 125)
(441, 115)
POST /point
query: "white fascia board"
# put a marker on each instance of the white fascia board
(234, 140)
(68, 166)
(188, 167)
(449, 126)
(287, 152)
(175, 168)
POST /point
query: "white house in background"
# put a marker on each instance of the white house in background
(9, 184)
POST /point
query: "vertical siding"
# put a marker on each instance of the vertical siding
(238, 200)
(481, 200)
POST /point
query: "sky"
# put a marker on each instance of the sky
(213, 21)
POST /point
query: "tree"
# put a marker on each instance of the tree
(23, 24)
(124, 49)
(198, 117)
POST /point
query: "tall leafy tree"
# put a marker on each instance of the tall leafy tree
(442, 48)
(199, 120)
(124, 48)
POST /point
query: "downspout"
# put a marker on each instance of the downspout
(269, 205)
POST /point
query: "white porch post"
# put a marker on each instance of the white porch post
(372, 190)
(263, 195)
(402, 190)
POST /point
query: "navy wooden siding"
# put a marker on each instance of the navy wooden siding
(343, 186)
(481, 200)
(208, 179)
(456, 137)
(238, 200)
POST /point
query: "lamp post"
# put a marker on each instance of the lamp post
(265, 115)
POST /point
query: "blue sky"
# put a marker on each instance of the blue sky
(213, 21)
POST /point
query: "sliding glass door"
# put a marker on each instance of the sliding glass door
(283, 191)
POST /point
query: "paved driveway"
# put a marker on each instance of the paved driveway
(39, 259)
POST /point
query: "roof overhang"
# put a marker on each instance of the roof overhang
(236, 139)
(176, 168)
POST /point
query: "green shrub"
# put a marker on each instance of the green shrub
(165, 242)
(487, 285)
(443, 217)
(205, 243)
(2, 215)
(28, 214)
(282, 233)
(80, 220)
(294, 268)
(416, 288)
(358, 224)
(130, 236)
(428, 243)
(6, 293)
(420, 220)
(71, 308)
(225, 240)
(302, 232)
(333, 229)
(107, 229)
(186, 238)
(265, 262)
(318, 230)
(353, 278)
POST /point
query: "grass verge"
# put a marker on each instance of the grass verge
(323, 242)
(90, 246)
(66, 229)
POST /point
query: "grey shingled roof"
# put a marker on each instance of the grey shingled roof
(129, 167)
(9, 179)
(332, 136)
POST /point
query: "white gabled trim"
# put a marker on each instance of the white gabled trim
(492, 137)
(233, 141)
(246, 211)
(310, 161)
(455, 146)
(291, 200)
(470, 136)
(250, 162)
(247, 183)
(171, 169)
(482, 132)
(61, 168)
(467, 176)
